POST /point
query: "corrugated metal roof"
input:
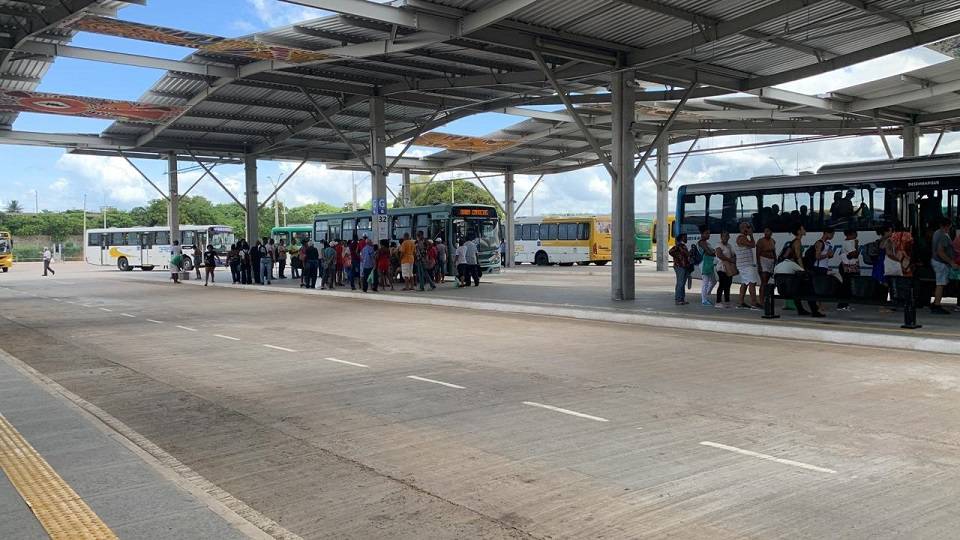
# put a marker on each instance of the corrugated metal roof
(575, 33)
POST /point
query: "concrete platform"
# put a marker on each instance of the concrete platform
(127, 490)
(339, 418)
(583, 293)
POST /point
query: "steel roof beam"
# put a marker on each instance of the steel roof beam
(889, 15)
(51, 16)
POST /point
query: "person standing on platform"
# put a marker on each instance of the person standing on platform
(943, 260)
(233, 259)
(255, 262)
(849, 264)
(726, 269)
(681, 267)
(266, 262)
(383, 265)
(408, 251)
(441, 260)
(708, 270)
(176, 261)
(197, 259)
(281, 259)
(767, 257)
(329, 255)
(311, 264)
(470, 255)
(745, 250)
(368, 263)
(244, 248)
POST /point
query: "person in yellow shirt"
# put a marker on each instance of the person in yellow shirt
(408, 249)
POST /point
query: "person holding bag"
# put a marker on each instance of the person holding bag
(726, 265)
(708, 271)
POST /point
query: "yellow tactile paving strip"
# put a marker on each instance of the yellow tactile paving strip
(57, 506)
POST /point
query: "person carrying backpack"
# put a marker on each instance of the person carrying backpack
(681, 265)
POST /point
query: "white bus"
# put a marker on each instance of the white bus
(564, 240)
(149, 247)
(908, 193)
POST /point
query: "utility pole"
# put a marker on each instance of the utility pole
(36, 200)
(353, 183)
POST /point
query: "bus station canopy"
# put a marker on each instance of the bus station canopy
(304, 91)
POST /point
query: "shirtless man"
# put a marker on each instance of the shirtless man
(745, 251)
(767, 256)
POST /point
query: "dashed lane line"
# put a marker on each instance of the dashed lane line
(434, 381)
(154, 321)
(267, 345)
(768, 457)
(106, 309)
(565, 411)
(129, 315)
(354, 364)
(187, 328)
(221, 336)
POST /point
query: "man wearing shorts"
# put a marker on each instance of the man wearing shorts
(942, 261)
(767, 255)
(408, 251)
(747, 266)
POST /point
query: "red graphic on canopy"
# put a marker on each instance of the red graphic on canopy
(87, 107)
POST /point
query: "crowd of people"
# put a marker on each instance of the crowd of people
(360, 264)
(755, 261)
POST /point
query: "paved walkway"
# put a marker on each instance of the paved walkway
(99, 487)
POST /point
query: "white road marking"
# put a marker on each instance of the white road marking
(69, 302)
(278, 348)
(129, 315)
(57, 300)
(226, 337)
(354, 364)
(87, 305)
(154, 322)
(565, 411)
(187, 328)
(105, 309)
(768, 457)
(66, 282)
(424, 379)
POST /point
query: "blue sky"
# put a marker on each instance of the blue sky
(60, 180)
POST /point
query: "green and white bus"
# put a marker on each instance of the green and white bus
(292, 235)
(453, 223)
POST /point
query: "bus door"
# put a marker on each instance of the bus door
(146, 247)
(104, 248)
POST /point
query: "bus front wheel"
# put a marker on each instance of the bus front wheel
(187, 264)
(541, 259)
(5, 269)
(123, 264)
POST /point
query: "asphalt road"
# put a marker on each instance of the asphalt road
(347, 419)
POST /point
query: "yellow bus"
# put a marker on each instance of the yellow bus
(563, 240)
(671, 225)
(6, 251)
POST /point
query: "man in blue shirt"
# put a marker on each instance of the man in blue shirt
(368, 261)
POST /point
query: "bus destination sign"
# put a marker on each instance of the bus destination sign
(473, 212)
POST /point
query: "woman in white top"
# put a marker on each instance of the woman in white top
(745, 251)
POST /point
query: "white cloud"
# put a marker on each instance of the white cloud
(111, 176)
(274, 13)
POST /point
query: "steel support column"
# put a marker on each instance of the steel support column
(624, 242)
(173, 197)
(508, 204)
(378, 156)
(663, 201)
(250, 175)
(405, 195)
(911, 141)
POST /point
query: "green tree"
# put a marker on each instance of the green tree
(13, 207)
(440, 193)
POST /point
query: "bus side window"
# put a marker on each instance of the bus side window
(399, 226)
(715, 213)
(694, 213)
(162, 238)
(93, 239)
(187, 238)
(583, 231)
(116, 239)
(518, 232)
(422, 225)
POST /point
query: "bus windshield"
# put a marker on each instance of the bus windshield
(4, 246)
(486, 230)
(222, 240)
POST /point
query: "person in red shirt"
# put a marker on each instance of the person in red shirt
(339, 249)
